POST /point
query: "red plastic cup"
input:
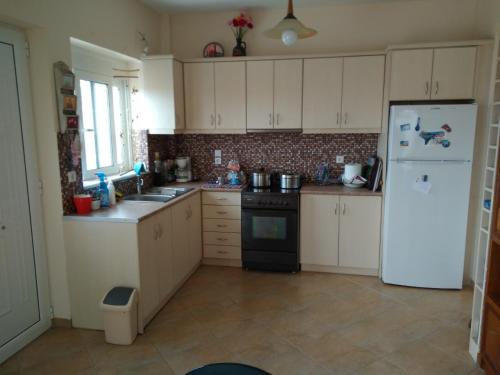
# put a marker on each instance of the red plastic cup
(83, 203)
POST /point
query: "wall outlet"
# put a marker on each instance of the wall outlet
(339, 159)
(71, 176)
(218, 157)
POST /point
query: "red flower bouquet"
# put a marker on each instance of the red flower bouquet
(240, 25)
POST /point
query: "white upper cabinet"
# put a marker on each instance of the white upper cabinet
(343, 93)
(260, 94)
(199, 87)
(453, 73)
(230, 95)
(215, 97)
(274, 94)
(362, 92)
(411, 72)
(437, 74)
(163, 95)
(322, 93)
(288, 94)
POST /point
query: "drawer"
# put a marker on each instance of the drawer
(217, 238)
(222, 225)
(221, 212)
(223, 252)
(221, 198)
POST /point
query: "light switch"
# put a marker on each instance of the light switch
(71, 176)
(218, 157)
(339, 159)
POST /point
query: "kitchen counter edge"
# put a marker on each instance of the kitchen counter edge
(337, 190)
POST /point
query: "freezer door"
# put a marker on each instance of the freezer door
(425, 222)
(432, 132)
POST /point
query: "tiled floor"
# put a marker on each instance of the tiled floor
(307, 323)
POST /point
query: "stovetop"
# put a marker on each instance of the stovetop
(274, 189)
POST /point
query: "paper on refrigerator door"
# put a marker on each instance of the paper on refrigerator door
(422, 186)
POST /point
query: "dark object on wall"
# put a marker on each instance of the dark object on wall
(64, 80)
(240, 49)
(213, 49)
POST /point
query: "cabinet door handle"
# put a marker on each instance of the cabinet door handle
(338, 116)
(437, 88)
(426, 87)
(212, 120)
(221, 199)
(345, 119)
(270, 119)
(221, 226)
(336, 208)
(221, 252)
(221, 212)
(343, 210)
(219, 119)
(221, 239)
(277, 119)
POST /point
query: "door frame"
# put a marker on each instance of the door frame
(18, 41)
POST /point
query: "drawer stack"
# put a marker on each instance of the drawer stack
(222, 225)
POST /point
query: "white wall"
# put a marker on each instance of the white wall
(341, 28)
(49, 24)
(488, 17)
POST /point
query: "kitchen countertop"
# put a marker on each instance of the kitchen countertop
(136, 211)
(336, 190)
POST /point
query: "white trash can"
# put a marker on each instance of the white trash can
(119, 309)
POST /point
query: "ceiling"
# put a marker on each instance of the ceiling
(181, 6)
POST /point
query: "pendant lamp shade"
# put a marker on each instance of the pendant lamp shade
(289, 29)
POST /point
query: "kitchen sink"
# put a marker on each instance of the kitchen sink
(149, 197)
(169, 191)
(158, 194)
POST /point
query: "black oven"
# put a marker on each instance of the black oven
(270, 229)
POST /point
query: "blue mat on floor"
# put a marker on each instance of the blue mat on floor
(227, 369)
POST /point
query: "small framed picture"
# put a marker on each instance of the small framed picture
(213, 49)
(72, 122)
(69, 104)
(68, 83)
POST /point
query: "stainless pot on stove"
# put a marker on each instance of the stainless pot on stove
(261, 179)
(290, 181)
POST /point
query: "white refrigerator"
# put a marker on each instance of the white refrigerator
(426, 206)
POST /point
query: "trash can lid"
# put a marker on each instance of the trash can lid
(118, 296)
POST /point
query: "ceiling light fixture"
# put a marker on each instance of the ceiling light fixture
(290, 29)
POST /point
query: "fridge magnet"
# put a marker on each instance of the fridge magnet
(405, 127)
(446, 128)
(417, 127)
(422, 185)
(404, 143)
(72, 122)
(69, 105)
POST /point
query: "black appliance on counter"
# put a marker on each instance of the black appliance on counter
(270, 229)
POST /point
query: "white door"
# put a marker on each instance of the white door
(425, 223)
(319, 226)
(19, 301)
(260, 94)
(453, 73)
(359, 232)
(200, 96)
(322, 93)
(288, 94)
(432, 132)
(411, 72)
(362, 92)
(230, 94)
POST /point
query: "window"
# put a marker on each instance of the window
(104, 106)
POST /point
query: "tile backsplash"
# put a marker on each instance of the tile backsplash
(291, 152)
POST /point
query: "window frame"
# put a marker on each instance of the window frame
(123, 85)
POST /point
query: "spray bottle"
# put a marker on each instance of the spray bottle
(103, 189)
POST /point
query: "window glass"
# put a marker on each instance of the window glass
(88, 124)
(103, 126)
(119, 119)
(268, 228)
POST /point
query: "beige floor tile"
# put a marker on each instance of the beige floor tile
(420, 358)
(69, 363)
(380, 367)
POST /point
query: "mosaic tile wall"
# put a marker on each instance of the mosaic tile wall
(291, 152)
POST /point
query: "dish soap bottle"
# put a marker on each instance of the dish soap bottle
(112, 193)
(157, 177)
(103, 189)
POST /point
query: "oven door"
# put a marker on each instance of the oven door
(269, 230)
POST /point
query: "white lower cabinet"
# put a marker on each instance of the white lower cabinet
(340, 233)
(155, 256)
(222, 228)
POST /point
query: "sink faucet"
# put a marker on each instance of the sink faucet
(140, 182)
